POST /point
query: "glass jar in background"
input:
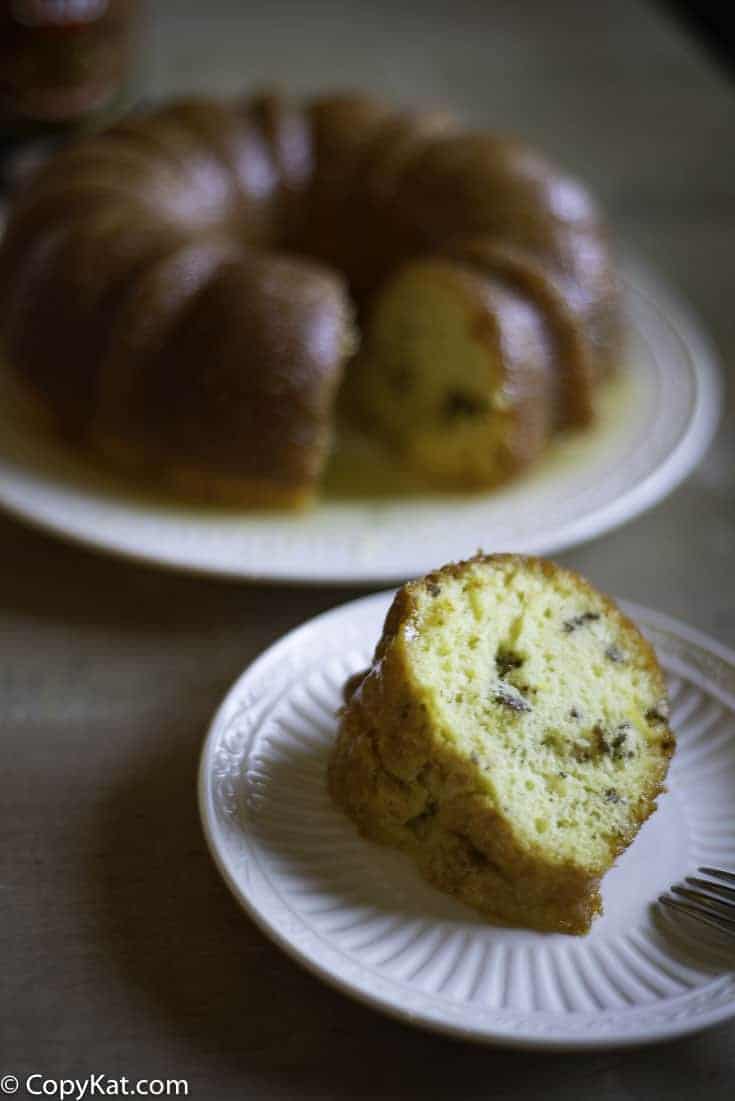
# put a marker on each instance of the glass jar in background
(65, 66)
(62, 62)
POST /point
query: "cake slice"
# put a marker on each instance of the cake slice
(511, 735)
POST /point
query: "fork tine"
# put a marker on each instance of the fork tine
(716, 905)
(715, 888)
(718, 873)
(722, 924)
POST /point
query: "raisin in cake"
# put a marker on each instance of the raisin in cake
(511, 735)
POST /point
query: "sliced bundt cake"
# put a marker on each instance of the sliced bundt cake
(179, 291)
(511, 735)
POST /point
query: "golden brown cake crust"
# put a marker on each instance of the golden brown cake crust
(404, 786)
(562, 306)
(463, 186)
(170, 384)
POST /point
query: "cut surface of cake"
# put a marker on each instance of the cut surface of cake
(511, 735)
(456, 375)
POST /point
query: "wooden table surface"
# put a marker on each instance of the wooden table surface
(122, 952)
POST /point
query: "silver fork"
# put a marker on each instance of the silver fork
(711, 901)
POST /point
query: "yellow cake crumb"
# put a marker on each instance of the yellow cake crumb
(511, 735)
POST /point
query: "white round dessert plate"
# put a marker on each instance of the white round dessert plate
(360, 917)
(656, 421)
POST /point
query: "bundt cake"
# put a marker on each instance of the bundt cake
(510, 735)
(181, 290)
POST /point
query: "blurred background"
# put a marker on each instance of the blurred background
(632, 96)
